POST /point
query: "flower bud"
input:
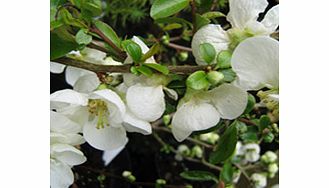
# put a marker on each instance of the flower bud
(128, 175)
(182, 56)
(251, 152)
(269, 137)
(197, 151)
(166, 119)
(259, 180)
(165, 39)
(269, 157)
(183, 150)
(161, 182)
(273, 168)
(211, 137)
(214, 77)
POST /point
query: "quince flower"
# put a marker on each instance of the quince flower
(100, 113)
(201, 110)
(259, 180)
(243, 16)
(63, 155)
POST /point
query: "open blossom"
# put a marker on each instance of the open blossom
(100, 113)
(63, 155)
(204, 109)
(243, 16)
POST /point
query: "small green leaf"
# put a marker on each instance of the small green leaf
(226, 175)
(133, 49)
(60, 47)
(82, 37)
(197, 175)
(226, 145)
(108, 32)
(207, 52)
(165, 8)
(153, 50)
(172, 26)
(68, 19)
(197, 80)
(229, 75)
(250, 105)
(213, 14)
(134, 70)
(224, 59)
(200, 21)
(163, 69)
(264, 122)
(145, 70)
(249, 136)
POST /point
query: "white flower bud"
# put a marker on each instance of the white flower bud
(126, 174)
(259, 180)
(269, 157)
(272, 169)
(178, 157)
(183, 150)
(197, 151)
(251, 152)
(211, 137)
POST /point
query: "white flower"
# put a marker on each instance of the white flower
(204, 109)
(259, 180)
(100, 113)
(243, 16)
(251, 152)
(63, 155)
(256, 63)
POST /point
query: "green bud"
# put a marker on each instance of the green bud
(269, 137)
(126, 174)
(182, 56)
(161, 182)
(165, 39)
(197, 151)
(183, 150)
(269, 157)
(101, 178)
(214, 77)
(166, 119)
(273, 168)
(188, 186)
(102, 86)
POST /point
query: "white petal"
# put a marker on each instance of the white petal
(243, 11)
(144, 50)
(86, 83)
(67, 96)
(256, 63)
(72, 139)
(115, 105)
(62, 124)
(56, 67)
(72, 74)
(61, 175)
(230, 101)
(274, 97)
(146, 102)
(171, 93)
(271, 19)
(107, 138)
(67, 154)
(134, 124)
(93, 56)
(77, 114)
(122, 88)
(213, 34)
(193, 116)
(130, 79)
(109, 155)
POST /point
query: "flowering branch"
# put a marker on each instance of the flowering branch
(184, 69)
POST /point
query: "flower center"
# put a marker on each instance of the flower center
(97, 107)
(237, 36)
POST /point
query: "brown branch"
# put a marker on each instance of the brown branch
(247, 121)
(97, 47)
(179, 47)
(185, 69)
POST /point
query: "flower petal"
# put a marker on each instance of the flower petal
(67, 154)
(256, 63)
(171, 93)
(86, 83)
(193, 116)
(146, 102)
(66, 97)
(271, 19)
(115, 105)
(107, 138)
(213, 34)
(62, 124)
(243, 11)
(109, 155)
(72, 139)
(61, 175)
(56, 67)
(144, 50)
(230, 101)
(134, 124)
(72, 74)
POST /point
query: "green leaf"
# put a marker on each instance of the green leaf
(224, 59)
(249, 136)
(207, 52)
(133, 49)
(197, 80)
(82, 37)
(229, 75)
(68, 19)
(94, 7)
(163, 69)
(250, 105)
(145, 70)
(226, 145)
(108, 32)
(165, 8)
(213, 14)
(172, 26)
(226, 175)
(153, 50)
(200, 21)
(60, 47)
(264, 122)
(197, 175)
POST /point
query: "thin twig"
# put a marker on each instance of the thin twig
(184, 69)
(179, 47)
(247, 121)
